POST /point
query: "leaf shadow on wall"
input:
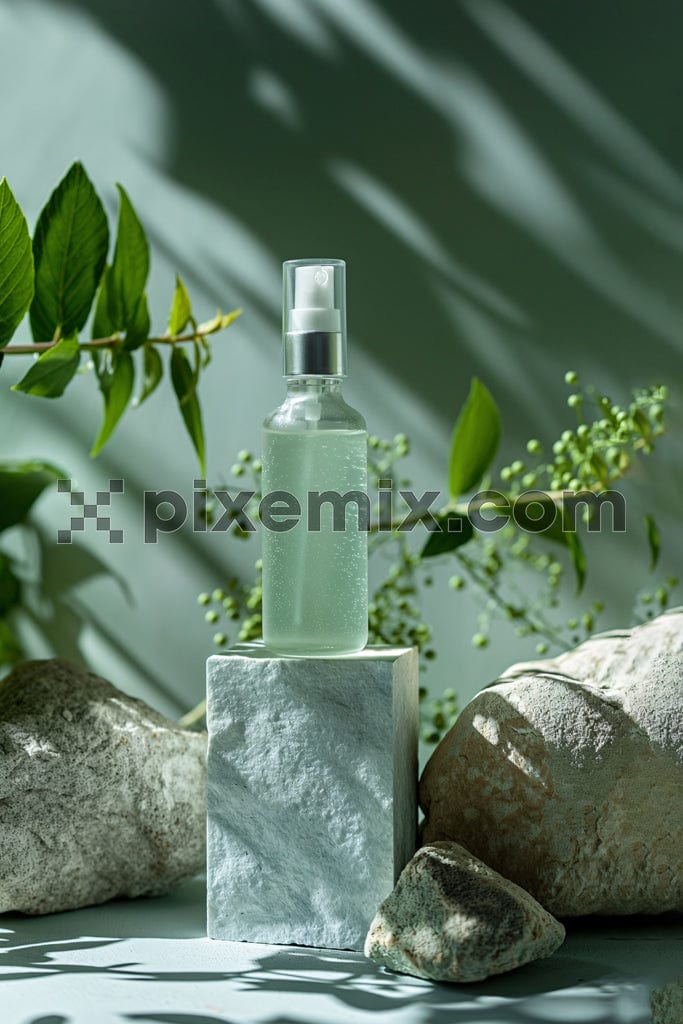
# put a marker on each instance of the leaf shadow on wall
(492, 203)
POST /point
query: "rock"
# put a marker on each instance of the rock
(100, 796)
(312, 791)
(666, 1003)
(451, 918)
(566, 775)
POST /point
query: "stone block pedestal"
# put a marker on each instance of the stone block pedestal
(312, 780)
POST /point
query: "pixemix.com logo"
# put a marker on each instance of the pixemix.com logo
(90, 511)
(167, 511)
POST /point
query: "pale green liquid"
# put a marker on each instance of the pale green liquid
(315, 585)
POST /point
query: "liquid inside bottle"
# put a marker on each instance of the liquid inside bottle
(315, 583)
(315, 563)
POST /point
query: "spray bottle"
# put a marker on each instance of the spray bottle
(315, 574)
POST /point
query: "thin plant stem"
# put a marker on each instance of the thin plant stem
(111, 342)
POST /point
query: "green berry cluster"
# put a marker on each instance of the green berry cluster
(383, 456)
(394, 613)
(599, 450)
(651, 602)
(439, 715)
(246, 463)
(236, 602)
(593, 456)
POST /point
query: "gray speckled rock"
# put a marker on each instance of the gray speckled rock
(567, 775)
(451, 918)
(100, 796)
(667, 1003)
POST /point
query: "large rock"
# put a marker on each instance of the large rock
(666, 1003)
(100, 796)
(451, 918)
(567, 775)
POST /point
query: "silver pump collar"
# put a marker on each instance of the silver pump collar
(314, 353)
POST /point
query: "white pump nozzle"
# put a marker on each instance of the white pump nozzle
(314, 308)
(314, 318)
(314, 287)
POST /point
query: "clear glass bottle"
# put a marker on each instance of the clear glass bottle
(315, 571)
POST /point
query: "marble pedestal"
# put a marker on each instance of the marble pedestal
(312, 779)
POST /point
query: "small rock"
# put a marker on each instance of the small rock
(567, 775)
(100, 796)
(452, 918)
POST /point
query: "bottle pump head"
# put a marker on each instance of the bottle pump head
(314, 318)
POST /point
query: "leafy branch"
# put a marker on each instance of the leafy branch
(60, 275)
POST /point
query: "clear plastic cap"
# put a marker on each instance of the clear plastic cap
(314, 317)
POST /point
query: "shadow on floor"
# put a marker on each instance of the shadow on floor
(562, 988)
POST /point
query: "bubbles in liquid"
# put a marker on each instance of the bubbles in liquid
(315, 584)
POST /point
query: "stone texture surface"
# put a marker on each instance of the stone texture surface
(100, 796)
(451, 918)
(567, 775)
(312, 792)
(666, 1003)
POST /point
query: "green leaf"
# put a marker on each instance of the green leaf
(197, 349)
(219, 322)
(131, 263)
(10, 587)
(212, 325)
(475, 440)
(152, 372)
(21, 483)
(116, 374)
(16, 264)
(559, 529)
(229, 318)
(138, 329)
(561, 532)
(457, 530)
(206, 350)
(653, 540)
(121, 301)
(70, 248)
(181, 309)
(184, 386)
(52, 371)
(10, 650)
(107, 316)
(578, 558)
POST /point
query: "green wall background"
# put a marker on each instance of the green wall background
(505, 181)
